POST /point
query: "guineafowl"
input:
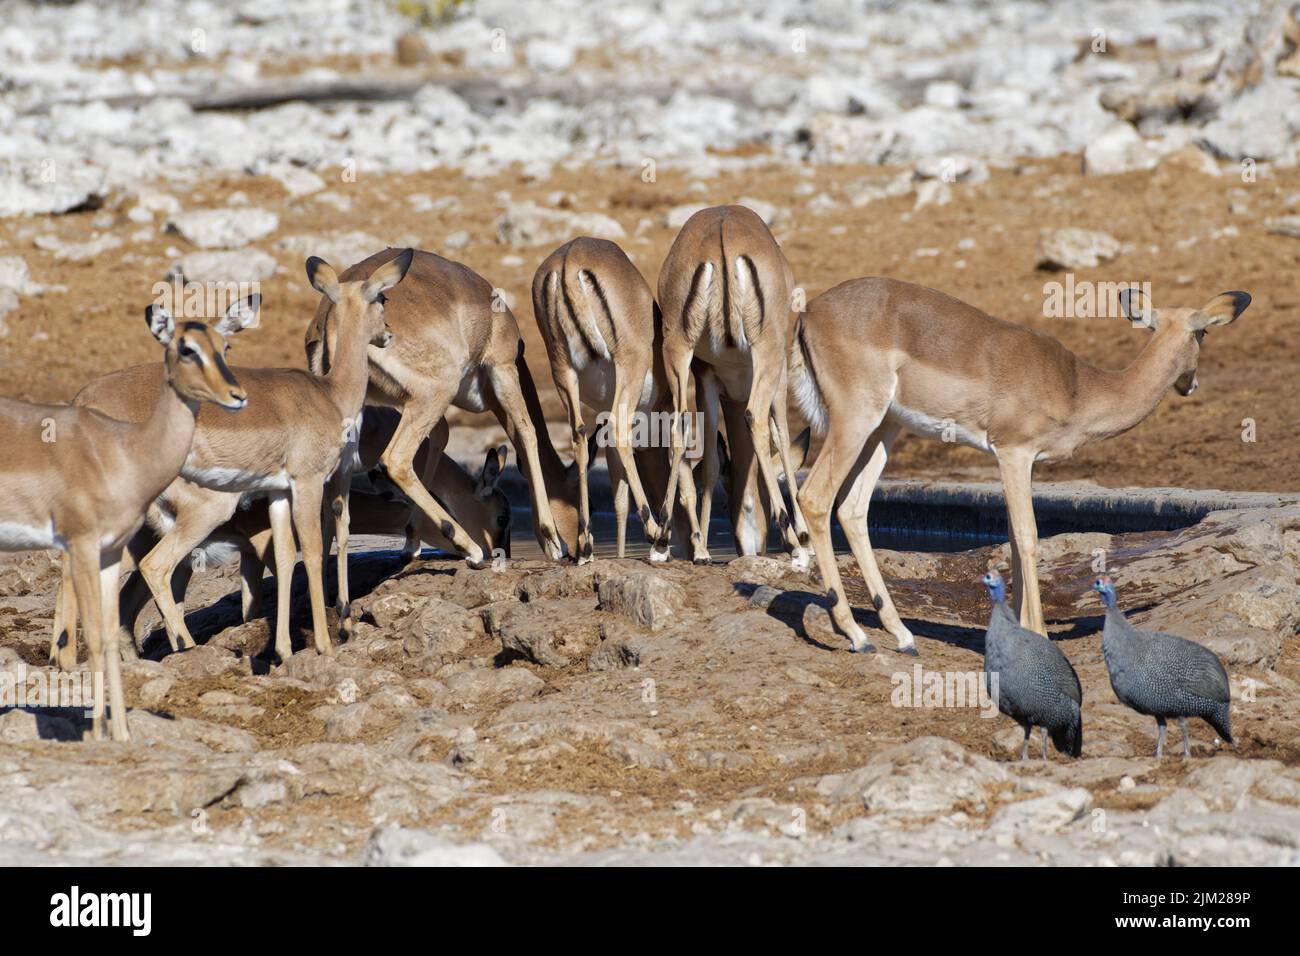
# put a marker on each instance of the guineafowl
(1161, 675)
(1036, 686)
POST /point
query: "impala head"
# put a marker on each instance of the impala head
(495, 515)
(359, 302)
(1187, 326)
(993, 581)
(195, 362)
(1105, 589)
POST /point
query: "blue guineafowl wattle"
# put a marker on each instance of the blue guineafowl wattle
(1036, 686)
(1161, 675)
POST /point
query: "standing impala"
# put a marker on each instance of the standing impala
(77, 480)
(874, 357)
(457, 343)
(297, 429)
(601, 327)
(725, 293)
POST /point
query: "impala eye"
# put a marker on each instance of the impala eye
(188, 353)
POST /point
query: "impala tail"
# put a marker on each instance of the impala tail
(803, 378)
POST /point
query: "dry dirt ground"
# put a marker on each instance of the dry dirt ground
(619, 713)
(1189, 234)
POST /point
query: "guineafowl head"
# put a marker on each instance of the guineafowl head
(997, 587)
(1105, 589)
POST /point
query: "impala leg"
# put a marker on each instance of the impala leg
(708, 384)
(509, 394)
(781, 423)
(566, 382)
(419, 529)
(282, 541)
(251, 572)
(853, 512)
(63, 643)
(618, 481)
(625, 406)
(110, 572)
(757, 417)
(836, 462)
(1016, 468)
(398, 458)
(84, 560)
(677, 368)
(193, 524)
(340, 518)
(306, 500)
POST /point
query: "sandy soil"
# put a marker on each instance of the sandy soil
(1188, 234)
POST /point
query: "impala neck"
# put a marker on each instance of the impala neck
(348, 374)
(1111, 402)
(168, 432)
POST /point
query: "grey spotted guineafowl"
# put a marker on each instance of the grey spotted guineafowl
(1161, 675)
(1035, 684)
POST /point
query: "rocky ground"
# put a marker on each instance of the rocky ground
(607, 714)
(619, 713)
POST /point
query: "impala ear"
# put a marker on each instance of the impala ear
(161, 323)
(1137, 308)
(323, 278)
(387, 275)
(493, 465)
(244, 314)
(1223, 309)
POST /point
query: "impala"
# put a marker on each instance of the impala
(874, 357)
(74, 479)
(602, 332)
(298, 428)
(456, 342)
(725, 293)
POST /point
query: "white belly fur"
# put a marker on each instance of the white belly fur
(919, 423)
(25, 537)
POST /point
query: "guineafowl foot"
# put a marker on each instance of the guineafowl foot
(1160, 737)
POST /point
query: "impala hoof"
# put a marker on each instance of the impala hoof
(910, 651)
(863, 647)
(657, 556)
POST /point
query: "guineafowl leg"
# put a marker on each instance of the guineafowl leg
(1187, 741)
(1043, 731)
(1024, 750)
(1160, 737)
